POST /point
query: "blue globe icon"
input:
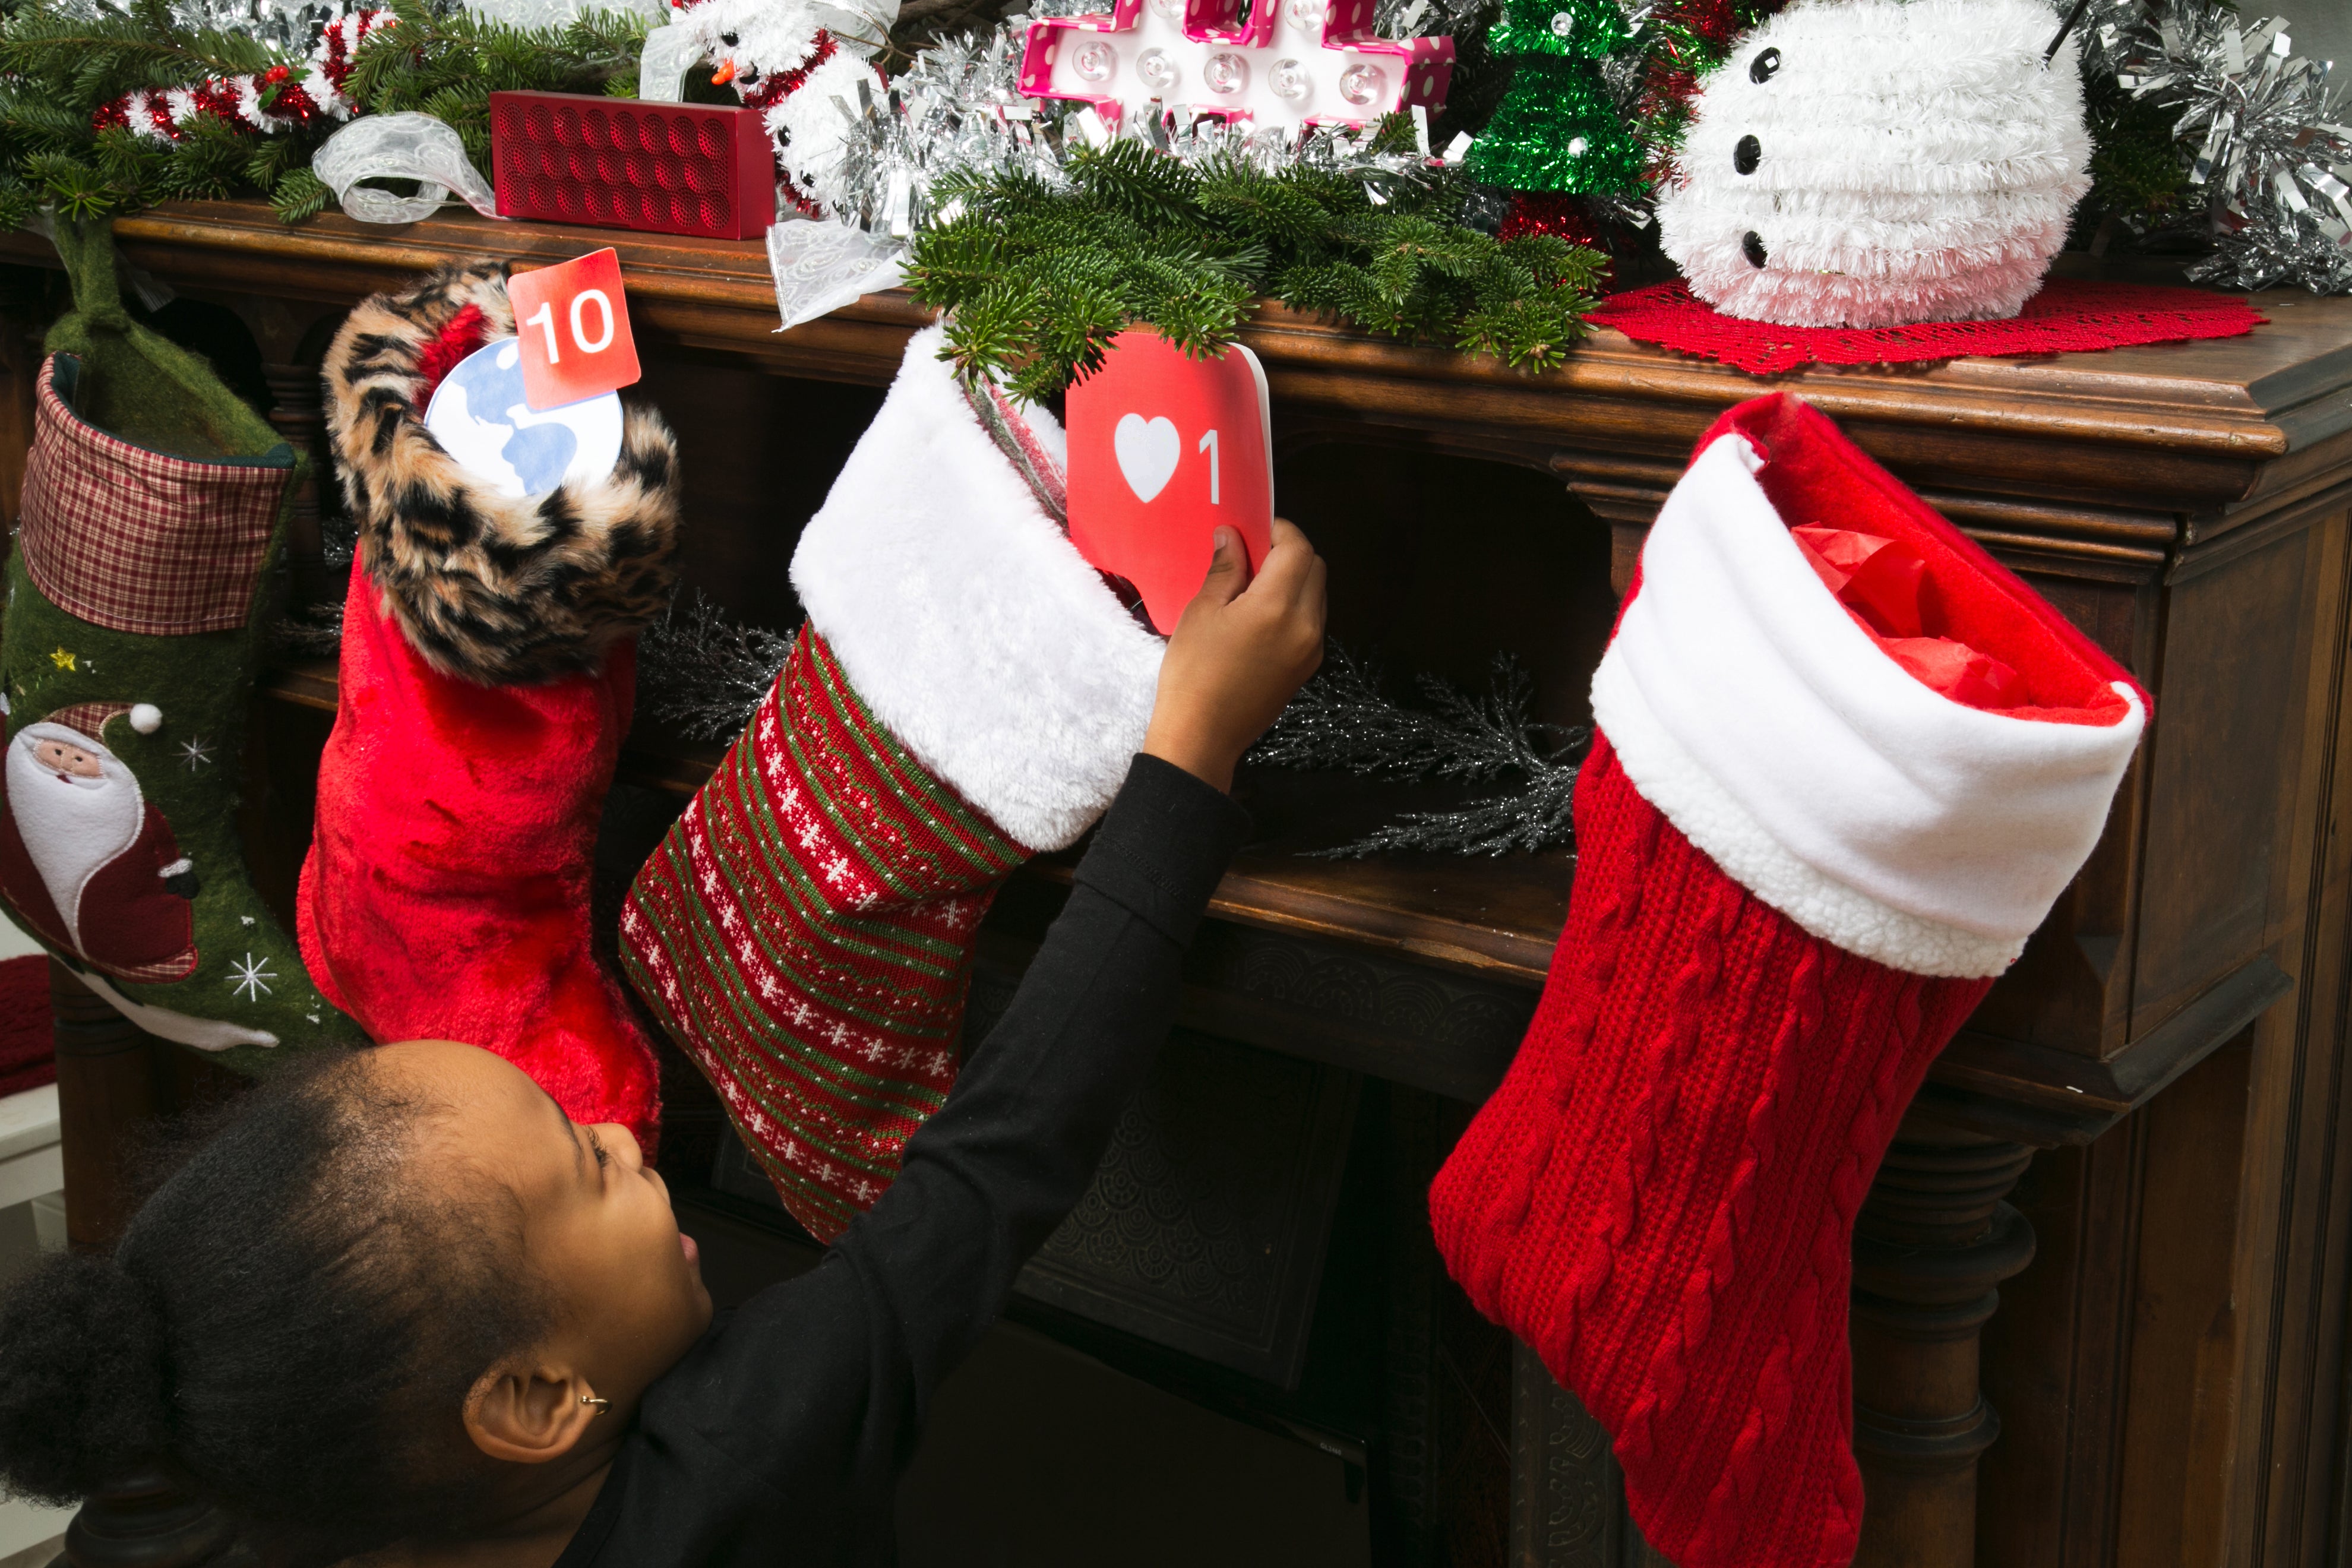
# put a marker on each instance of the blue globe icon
(480, 417)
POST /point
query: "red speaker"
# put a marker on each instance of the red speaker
(617, 162)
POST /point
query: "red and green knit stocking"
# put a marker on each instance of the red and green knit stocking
(966, 693)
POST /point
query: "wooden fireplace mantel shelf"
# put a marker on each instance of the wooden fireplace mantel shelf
(2189, 506)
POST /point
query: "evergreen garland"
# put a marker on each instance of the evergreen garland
(1040, 279)
(61, 61)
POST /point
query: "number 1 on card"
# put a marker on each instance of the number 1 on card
(575, 327)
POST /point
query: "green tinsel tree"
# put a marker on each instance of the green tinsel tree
(1558, 128)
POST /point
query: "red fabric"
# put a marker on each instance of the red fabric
(2067, 314)
(1815, 477)
(1660, 1196)
(28, 1044)
(445, 894)
(1883, 584)
(132, 926)
(467, 329)
(805, 931)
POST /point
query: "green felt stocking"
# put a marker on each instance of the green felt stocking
(154, 513)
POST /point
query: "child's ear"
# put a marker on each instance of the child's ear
(530, 1413)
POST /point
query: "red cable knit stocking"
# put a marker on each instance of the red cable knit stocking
(1828, 804)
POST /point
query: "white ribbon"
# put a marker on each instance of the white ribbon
(400, 147)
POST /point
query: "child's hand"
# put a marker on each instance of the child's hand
(1240, 650)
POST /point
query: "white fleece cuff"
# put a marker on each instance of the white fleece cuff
(967, 622)
(1748, 708)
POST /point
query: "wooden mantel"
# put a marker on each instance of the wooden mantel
(2170, 1371)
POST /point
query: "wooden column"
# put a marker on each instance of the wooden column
(1932, 1244)
(107, 1087)
(298, 412)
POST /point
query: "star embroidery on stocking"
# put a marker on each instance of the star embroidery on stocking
(62, 659)
(247, 978)
(197, 753)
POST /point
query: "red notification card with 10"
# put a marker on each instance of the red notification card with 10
(573, 322)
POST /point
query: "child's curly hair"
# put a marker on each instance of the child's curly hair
(291, 1321)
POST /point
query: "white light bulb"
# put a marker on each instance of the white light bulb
(1225, 73)
(1157, 71)
(1307, 15)
(1563, 24)
(1097, 61)
(1290, 80)
(1363, 83)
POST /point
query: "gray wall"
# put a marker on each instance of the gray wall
(2321, 30)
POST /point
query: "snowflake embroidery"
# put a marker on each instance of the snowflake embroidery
(836, 871)
(768, 725)
(769, 988)
(864, 1190)
(729, 919)
(197, 753)
(790, 1152)
(629, 920)
(810, 835)
(874, 1050)
(952, 915)
(710, 883)
(840, 1034)
(938, 1061)
(250, 979)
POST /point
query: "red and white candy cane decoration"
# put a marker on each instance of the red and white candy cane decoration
(1293, 62)
(279, 99)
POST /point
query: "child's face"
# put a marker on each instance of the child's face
(596, 1220)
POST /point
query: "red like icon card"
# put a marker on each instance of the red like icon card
(573, 322)
(1162, 450)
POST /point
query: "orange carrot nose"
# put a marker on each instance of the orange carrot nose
(723, 75)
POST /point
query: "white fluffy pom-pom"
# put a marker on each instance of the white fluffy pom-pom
(146, 718)
(1873, 162)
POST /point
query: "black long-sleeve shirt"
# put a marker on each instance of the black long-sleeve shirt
(779, 1438)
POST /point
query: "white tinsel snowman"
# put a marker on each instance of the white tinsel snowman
(1871, 162)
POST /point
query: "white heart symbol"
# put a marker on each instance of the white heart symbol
(1148, 450)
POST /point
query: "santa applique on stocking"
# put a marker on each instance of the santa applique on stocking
(1846, 763)
(85, 858)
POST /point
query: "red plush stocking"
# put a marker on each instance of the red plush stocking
(487, 677)
(1846, 763)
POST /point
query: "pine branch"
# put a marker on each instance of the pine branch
(1342, 721)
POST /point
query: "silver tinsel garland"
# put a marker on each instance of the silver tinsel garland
(1341, 722)
(957, 109)
(2274, 158)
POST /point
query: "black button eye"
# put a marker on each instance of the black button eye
(730, 40)
(1761, 68)
(1747, 154)
(1751, 245)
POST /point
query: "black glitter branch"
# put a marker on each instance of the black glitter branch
(706, 673)
(1342, 721)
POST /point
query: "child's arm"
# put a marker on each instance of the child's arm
(816, 1389)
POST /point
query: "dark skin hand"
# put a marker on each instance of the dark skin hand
(597, 1226)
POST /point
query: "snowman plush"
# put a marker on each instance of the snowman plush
(798, 63)
(1874, 162)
